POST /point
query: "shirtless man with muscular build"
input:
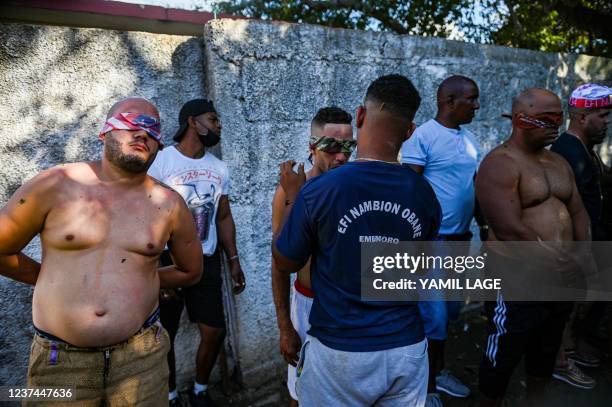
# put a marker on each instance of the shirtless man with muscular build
(527, 193)
(103, 225)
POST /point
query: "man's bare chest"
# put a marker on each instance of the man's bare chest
(542, 179)
(133, 222)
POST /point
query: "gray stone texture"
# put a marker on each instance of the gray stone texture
(268, 80)
(56, 85)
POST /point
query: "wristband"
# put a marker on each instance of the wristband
(234, 258)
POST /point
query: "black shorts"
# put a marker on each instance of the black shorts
(517, 329)
(204, 300)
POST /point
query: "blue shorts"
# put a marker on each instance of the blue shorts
(437, 314)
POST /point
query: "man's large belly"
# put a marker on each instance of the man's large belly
(94, 306)
(550, 220)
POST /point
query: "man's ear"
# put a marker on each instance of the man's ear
(450, 100)
(191, 122)
(360, 116)
(410, 130)
(311, 155)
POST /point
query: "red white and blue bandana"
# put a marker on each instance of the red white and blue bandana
(539, 121)
(134, 121)
(591, 96)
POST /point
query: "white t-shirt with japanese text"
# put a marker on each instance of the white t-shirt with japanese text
(201, 182)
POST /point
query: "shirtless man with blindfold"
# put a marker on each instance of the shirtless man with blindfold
(103, 225)
(527, 193)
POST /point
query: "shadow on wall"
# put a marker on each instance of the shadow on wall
(68, 78)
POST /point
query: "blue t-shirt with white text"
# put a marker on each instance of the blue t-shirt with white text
(332, 215)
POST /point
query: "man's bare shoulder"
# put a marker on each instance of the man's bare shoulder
(79, 171)
(159, 184)
(501, 158)
(159, 189)
(56, 176)
(77, 167)
(51, 184)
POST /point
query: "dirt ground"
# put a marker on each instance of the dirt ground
(463, 355)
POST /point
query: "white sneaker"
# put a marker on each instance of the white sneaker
(449, 384)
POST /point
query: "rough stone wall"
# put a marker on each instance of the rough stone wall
(268, 80)
(56, 85)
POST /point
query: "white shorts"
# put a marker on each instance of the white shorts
(300, 311)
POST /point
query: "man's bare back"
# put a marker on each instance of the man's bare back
(103, 226)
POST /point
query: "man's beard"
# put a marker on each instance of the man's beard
(128, 162)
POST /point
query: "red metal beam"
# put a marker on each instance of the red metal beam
(118, 8)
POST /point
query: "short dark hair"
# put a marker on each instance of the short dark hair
(332, 114)
(397, 93)
(574, 111)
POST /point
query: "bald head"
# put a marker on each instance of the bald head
(537, 115)
(454, 86)
(134, 105)
(457, 99)
(533, 101)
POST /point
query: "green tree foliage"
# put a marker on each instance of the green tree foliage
(424, 17)
(581, 26)
(559, 26)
